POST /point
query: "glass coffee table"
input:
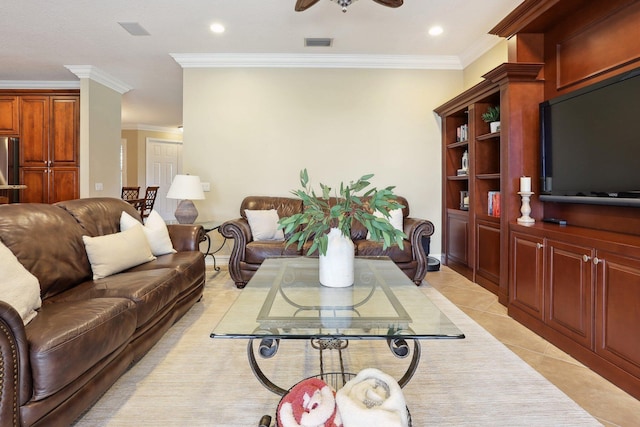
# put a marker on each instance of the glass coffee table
(285, 300)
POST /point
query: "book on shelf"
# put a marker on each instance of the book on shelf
(494, 203)
(462, 133)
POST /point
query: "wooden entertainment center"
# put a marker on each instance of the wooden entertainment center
(576, 285)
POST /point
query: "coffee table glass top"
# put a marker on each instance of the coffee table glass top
(284, 299)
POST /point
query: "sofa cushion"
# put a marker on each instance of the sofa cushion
(48, 242)
(373, 248)
(395, 219)
(99, 215)
(116, 252)
(256, 252)
(264, 224)
(67, 339)
(189, 266)
(19, 288)
(155, 229)
(151, 290)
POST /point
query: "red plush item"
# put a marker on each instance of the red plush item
(310, 403)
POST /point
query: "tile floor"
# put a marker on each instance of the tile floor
(606, 402)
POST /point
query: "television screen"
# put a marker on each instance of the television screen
(591, 143)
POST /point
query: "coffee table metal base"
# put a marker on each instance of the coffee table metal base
(269, 347)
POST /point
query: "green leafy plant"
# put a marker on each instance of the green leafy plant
(323, 211)
(492, 114)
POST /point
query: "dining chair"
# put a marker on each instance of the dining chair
(130, 193)
(149, 201)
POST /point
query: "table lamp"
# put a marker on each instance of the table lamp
(186, 188)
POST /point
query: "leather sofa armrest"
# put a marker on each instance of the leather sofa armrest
(15, 388)
(186, 237)
(416, 229)
(238, 230)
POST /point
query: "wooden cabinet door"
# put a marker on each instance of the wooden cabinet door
(526, 290)
(64, 133)
(9, 115)
(569, 293)
(618, 310)
(37, 182)
(34, 131)
(458, 239)
(63, 184)
(488, 252)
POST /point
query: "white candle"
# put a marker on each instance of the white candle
(525, 184)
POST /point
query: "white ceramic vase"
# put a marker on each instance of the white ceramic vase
(494, 127)
(336, 267)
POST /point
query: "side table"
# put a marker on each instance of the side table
(208, 227)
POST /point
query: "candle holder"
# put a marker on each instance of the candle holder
(525, 209)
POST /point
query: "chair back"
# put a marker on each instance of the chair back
(130, 193)
(149, 201)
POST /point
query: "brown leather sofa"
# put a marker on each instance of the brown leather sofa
(247, 255)
(87, 332)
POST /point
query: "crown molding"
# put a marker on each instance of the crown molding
(97, 75)
(476, 50)
(34, 84)
(151, 128)
(283, 60)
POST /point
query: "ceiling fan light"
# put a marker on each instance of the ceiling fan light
(344, 4)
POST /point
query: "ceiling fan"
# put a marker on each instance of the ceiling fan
(305, 4)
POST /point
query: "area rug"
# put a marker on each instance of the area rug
(189, 379)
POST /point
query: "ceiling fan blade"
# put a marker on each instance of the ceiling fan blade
(390, 3)
(304, 4)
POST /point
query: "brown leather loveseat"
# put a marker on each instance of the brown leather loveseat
(87, 332)
(247, 254)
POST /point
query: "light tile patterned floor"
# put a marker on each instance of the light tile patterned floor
(609, 404)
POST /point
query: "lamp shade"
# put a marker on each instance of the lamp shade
(186, 187)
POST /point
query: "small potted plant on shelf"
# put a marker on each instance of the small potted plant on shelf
(327, 218)
(492, 116)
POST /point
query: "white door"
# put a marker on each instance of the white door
(164, 161)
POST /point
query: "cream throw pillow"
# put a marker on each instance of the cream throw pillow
(116, 252)
(18, 287)
(395, 219)
(264, 224)
(155, 229)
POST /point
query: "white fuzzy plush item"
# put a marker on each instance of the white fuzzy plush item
(372, 398)
(18, 287)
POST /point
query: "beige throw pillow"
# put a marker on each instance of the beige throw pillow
(264, 224)
(18, 287)
(116, 252)
(155, 229)
(395, 218)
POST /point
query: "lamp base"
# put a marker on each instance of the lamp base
(186, 213)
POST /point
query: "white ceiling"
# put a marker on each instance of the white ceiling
(39, 37)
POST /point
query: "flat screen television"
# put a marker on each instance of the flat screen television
(590, 144)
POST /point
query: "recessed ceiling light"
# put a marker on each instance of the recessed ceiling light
(436, 30)
(217, 28)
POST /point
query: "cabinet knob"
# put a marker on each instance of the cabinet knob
(586, 258)
(539, 246)
(596, 260)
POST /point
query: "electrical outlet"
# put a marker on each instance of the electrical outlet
(99, 186)
(206, 186)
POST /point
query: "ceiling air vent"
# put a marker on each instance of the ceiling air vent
(134, 28)
(317, 42)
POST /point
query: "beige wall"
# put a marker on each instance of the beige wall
(100, 122)
(473, 72)
(136, 152)
(250, 131)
